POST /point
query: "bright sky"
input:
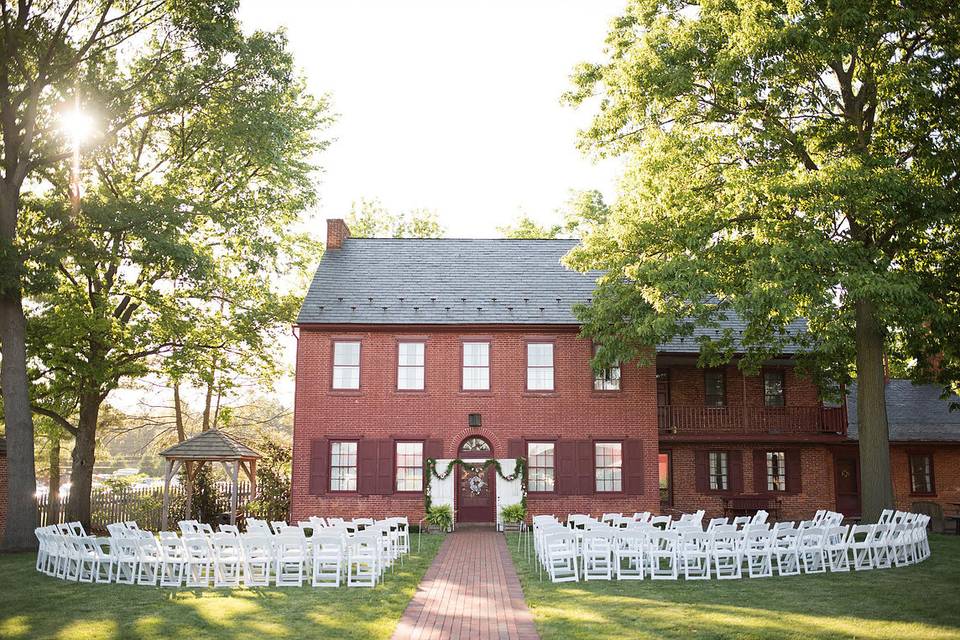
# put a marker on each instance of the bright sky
(449, 106)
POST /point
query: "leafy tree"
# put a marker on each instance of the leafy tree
(273, 477)
(786, 160)
(370, 219)
(49, 49)
(177, 258)
(583, 210)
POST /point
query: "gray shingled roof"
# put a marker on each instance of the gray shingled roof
(458, 281)
(213, 444)
(914, 412)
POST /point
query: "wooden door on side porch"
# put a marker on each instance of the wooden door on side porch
(846, 469)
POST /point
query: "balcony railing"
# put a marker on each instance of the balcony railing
(812, 420)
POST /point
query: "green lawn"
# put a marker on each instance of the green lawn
(922, 601)
(35, 606)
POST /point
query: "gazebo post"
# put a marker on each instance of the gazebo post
(172, 466)
(188, 508)
(252, 468)
(235, 481)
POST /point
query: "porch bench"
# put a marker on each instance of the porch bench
(748, 505)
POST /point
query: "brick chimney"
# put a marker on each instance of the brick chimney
(337, 232)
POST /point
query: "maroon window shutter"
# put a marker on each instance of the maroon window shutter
(433, 449)
(736, 471)
(385, 467)
(793, 470)
(633, 466)
(318, 466)
(586, 477)
(702, 471)
(566, 467)
(367, 466)
(759, 471)
(515, 448)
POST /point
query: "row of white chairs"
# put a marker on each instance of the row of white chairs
(644, 546)
(325, 553)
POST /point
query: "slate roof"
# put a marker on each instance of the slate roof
(914, 412)
(213, 444)
(458, 281)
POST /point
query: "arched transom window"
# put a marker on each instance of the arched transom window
(475, 445)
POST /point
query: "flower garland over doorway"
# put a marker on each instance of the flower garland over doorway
(478, 467)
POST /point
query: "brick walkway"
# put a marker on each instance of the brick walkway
(471, 591)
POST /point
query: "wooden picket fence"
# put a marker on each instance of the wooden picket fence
(143, 505)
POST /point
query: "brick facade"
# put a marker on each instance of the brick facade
(573, 411)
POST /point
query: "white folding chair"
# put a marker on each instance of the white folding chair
(835, 548)
(695, 554)
(757, 551)
(560, 552)
(227, 559)
(199, 565)
(291, 558)
(149, 554)
(597, 553)
(173, 557)
(257, 559)
(126, 557)
(628, 555)
(726, 552)
(785, 551)
(813, 555)
(328, 560)
(663, 550)
(363, 559)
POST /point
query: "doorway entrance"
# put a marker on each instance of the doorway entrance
(846, 469)
(476, 490)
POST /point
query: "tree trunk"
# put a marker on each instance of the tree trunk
(53, 504)
(178, 413)
(84, 457)
(207, 404)
(21, 469)
(875, 483)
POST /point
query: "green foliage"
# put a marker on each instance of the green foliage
(273, 478)
(582, 211)
(513, 513)
(526, 228)
(370, 219)
(440, 516)
(787, 160)
(207, 497)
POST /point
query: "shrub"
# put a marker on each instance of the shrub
(513, 513)
(440, 516)
(273, 479)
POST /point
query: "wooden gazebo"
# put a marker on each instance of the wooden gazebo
(209, 446)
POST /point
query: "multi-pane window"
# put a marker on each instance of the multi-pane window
(540, 469)
(609, 466)
(540, 366)
(343, 466)
(921, 473)
(718, 471)
(773, 389)
(606, 379)
(715, 387)
(409, 466)
(346, 365)
(663, 463)
(410, 365)
(476, 366)
(776, 471)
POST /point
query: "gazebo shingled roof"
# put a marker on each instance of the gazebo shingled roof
(210, 445)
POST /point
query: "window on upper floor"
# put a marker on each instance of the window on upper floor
(608, 379)
(921, 473)
(346, 365)
(608, 466)
(409, 471)
(476, 366)
(774, 391)
(715, 387)
(776, 471)
(410, 367)
(540, 366)
(719, 478)
(343, 466)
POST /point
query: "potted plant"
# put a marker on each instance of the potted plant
(441, 517)
(512, 515)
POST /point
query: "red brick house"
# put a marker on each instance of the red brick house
(411, 349)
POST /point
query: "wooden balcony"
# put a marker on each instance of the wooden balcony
(800, 421)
